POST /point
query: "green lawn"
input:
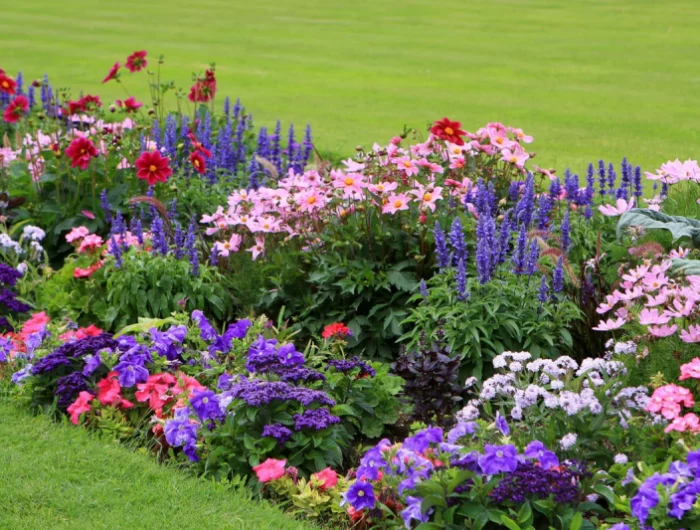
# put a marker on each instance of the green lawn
(60, 477)
(591, 79)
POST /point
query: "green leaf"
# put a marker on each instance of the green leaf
(686, 266)
(678, 226)
(401, 280)
(576, 521)
(509, 523)
(605, 492)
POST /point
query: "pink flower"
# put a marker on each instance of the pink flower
(270, 469)
(667, 400)
(690, 370)
(77, 233)
(427, 197)
(692, 334)
(662, 331)
(689, 422)
(351, 184)
(395, 203)
(406, 165)
(223, 249)
(80, 406)
(517, 156)
(621, 207)
(90, 242)
(310, 200)
(610, 324)
(383, 187)
(258, 248)
(651, 316)
(327, 478)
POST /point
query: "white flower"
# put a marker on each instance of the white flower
(516, 413)
(557, 385)
(515, 366)
(620, 459)
(568, 441)
(33, 232)
(468, 413)
(499, 361)
(22, 268)
(470, 382)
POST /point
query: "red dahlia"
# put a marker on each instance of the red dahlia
(198, 162)
(129, 104)
(136, 61)
(7, 84)
(198, 146)
(112, 72)
(448, 130)
(153, 167)
(16, 109)
(81, 151)
(204, 89)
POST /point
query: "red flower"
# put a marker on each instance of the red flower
(270, 469)
(81, 151)
(327, 478)
(16, 109)
(112, 72)
(7, 84)
(336, 330)
(111, 392)
(136, 61)
(129, 104)
(449, 130)
(86, 273)
(204, 89)
(198, 146)
(84, 104)
(153, 167)
(198, 162)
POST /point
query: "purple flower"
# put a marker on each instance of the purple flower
(536, 449)
(420, 441)
(347, 366)
(224, 382)
(520, 252)
(168, 343)
(131, 373)
(317, 419)
(288, 355)
(206, 331)
(92, 363)
(531, 480)
(360, 495)
(413, 511)
(68, 388)
(620, 526)
(543, 294)
(459, 246)
(443, 254)
(206, 405)
(462, 293)
(277, 431)
(180, 431)
(558, 276)
(50, 363)
(498, 459)
(566, 233)
(373, 461)
(460, 430)
(257, 393)
(502, 424)
(19, 376)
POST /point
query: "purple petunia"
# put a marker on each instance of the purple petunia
(546, 458)
(498, 459)
(206, 405)
(360, 495)
(181, 431)
(460, 430)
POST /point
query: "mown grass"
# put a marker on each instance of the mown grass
(601, 78)
(60, 477)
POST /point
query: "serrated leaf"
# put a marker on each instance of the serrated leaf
(678, 226)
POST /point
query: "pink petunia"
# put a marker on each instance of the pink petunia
(77, 233)
(80, 406)
(270, 469)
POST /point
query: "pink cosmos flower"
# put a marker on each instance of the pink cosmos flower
(691, 335)
(691, 370)
(351, 165)
(621, 206)
(406, 164)
(517, 156)
(662, 331)
(77, 233)
(270, 469)
(351, 185)
(224, 248)
(427, 196)
(610, 324)
(457, 162)
(652, 316)
(680, 253)
(611, 300)
(80, 406)
(258, 248)
(521, 136)
(395, 203)
(310, 200)
(383, 187)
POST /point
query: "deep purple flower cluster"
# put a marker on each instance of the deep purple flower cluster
(257, 393)
(50, 362)
(317, 419)
(9, 275)
(9, 300)
(88, 345)
(68, 388)
(277, 431)
(348, 365)
(534, 481)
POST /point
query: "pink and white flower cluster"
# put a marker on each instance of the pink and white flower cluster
(649, 297)
(676, 171)
(668, 401)
(386, 181)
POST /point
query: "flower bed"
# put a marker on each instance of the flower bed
(429, 334)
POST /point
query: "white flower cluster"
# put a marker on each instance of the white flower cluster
(7, 243)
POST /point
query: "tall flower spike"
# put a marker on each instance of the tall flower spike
(612, 177)
(459, 245)
(638, 189)
(566, 232)
(526, 205)
(558, 276)
(308, 146)
(543, 294)
(116, 251)
(106, 208)
(423, 289)
(533, 256)
(520, 253)
(462, 281)
(443, 254)
(179, 241)
(191, 245)
(601, 176)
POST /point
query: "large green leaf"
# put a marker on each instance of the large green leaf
(678, 226)
(686, 266)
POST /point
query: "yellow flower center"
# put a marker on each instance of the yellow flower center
(82, 151)
(513, 159)
(5, 84)
(407, 163)
(499, 140)
(349, 181)
(311, 200)
(427, 197)
(360, 493)
(398, 203)
(449, 131)
(152, 168)
(196, 163)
